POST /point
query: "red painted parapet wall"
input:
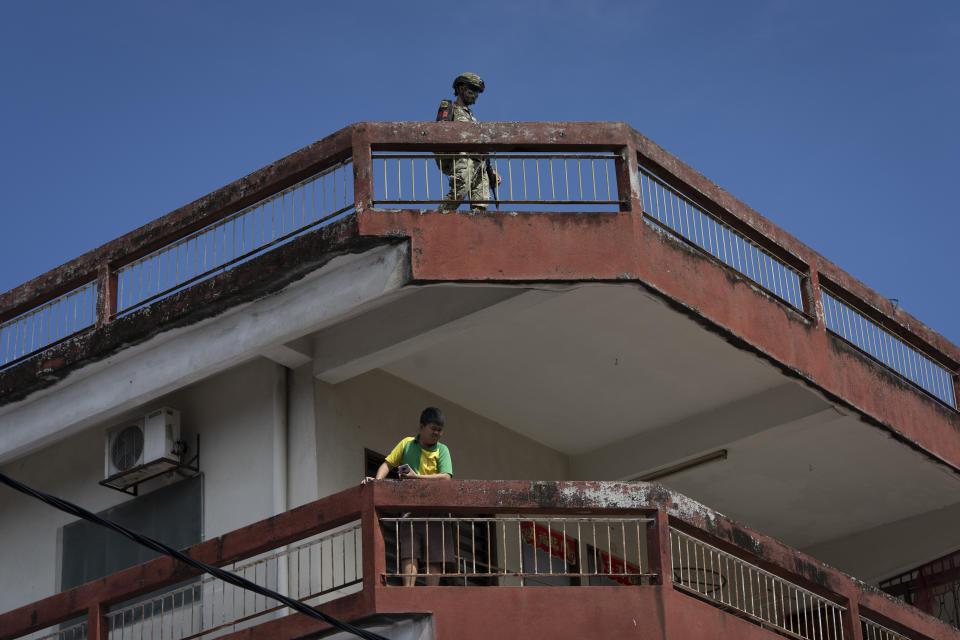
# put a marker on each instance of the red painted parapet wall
(657, 610)
(537, 246)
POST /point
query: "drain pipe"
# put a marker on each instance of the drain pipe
(281, 429)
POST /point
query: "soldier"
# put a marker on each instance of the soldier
(469, 177)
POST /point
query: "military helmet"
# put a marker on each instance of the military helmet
(468, 78)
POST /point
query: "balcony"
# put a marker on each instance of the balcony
(563, 559)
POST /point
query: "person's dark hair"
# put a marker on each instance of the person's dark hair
(431, 415)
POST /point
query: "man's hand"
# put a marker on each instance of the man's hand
(367, 479)
(499, 179)
(409, 475)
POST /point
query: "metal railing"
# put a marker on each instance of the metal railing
(312, 571)
(522, 549)
(759, 595)
(529, 181)
(238, 237)
(680, 216)
(47, 324)
(59, 632)
(887, 349)
(872, 631)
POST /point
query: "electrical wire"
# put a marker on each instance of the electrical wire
(161, 548)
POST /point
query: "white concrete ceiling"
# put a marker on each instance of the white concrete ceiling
(833, 477)
(624, 384)
(587, 367)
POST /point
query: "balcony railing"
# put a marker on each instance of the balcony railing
(679, 215)
(338, 551)
(274, 220)
(525, 550)
(48, 324)
(762, 596)
(313, 571)
(873, 631)
(530, 181)
(887, 349)
(600, 168)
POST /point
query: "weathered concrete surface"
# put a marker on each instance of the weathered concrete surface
(524, 247)
(199, 213)
(785, 246)
(249, 281)
(655, 611)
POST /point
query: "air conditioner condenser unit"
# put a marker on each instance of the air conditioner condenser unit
(141, 449)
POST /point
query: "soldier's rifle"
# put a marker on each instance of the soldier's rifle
(492, 179)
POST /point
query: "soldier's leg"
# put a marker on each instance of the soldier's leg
(480, 188)
(459, 186)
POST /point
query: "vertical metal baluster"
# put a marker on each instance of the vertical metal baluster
(660, 196)
(726, 232)
(861, 330)
(623, 538)
(596, 566)
(781, 291)
(606, 174)
(553, 190)
(807, 614)
(686, 220)
(142, 266)
(901, 358)
(343, 554)
(911, 358)
(767, 589)
(490, 549)
(400, 190)
(76, 305)
(523, 173)
(580, 178)
(565, 547)
(426, 179)
(845, 317)
(674, 203)
(819, 619)
(550, 543)
(702, 563)
(323, 191)
(34, 321)
(12, 342)
(593, 177)
(536, 165)
(473, 546)
(640, 547)
(607, 527)
(579, 540)
(443, 546)
(714, 574)
(536, 568)
(566, 178)
(503, 530)
(510, 175)
(703, 239)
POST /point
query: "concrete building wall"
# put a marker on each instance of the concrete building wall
(232, 411)
(376, 410)
(270, 439)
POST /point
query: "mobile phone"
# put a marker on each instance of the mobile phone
(404, 468)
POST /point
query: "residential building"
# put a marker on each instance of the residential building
(667, 416)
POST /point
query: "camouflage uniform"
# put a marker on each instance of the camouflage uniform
(468, 175)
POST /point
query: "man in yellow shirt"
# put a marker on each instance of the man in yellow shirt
(422, 457)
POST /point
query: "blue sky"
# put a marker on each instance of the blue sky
(836, 120)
